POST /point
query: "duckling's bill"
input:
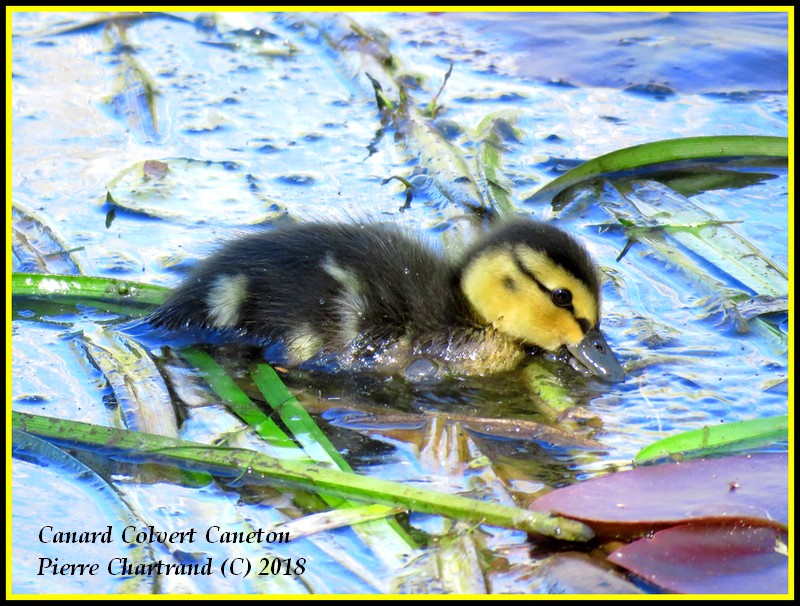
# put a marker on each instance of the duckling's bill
(597, 357)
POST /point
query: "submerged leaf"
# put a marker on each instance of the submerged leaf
(761, 305)
(106, 20)
(337, 518)
(711, 558)
(141, 394)
(443, 162)
(36, 248)
(409, 427)
(459, 563)
(554, 396)
(134, 97)
(690, 183)
(706, 236)
(46, 479)
(573, 572)
(495, 186)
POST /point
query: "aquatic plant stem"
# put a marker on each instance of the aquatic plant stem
(254, 467)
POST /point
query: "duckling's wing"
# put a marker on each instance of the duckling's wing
(264, 283)
(316, 285)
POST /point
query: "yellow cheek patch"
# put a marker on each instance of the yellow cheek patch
(507, 297)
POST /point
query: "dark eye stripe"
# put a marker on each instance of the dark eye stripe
(584, 324)
(525, 271)
(542, 287)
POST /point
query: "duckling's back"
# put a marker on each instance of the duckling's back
(316, 286)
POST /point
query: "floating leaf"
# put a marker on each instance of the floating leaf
(752, 489)
(723, 438)
(711, 558)
(192, 191)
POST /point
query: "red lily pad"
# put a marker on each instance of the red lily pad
(721, 558)
(751, 489)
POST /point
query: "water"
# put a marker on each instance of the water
(263, 122)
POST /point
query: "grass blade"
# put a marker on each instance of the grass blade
(718, 439)
(240, 404)
(394, 542)
(660, 152)
(86, 288)
(295, 417)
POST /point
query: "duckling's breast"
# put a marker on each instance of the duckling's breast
(461, 351)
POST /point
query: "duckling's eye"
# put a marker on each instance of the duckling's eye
(561, 297)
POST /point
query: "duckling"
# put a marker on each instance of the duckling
(369, 292)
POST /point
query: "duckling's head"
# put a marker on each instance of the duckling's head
(536, 284)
